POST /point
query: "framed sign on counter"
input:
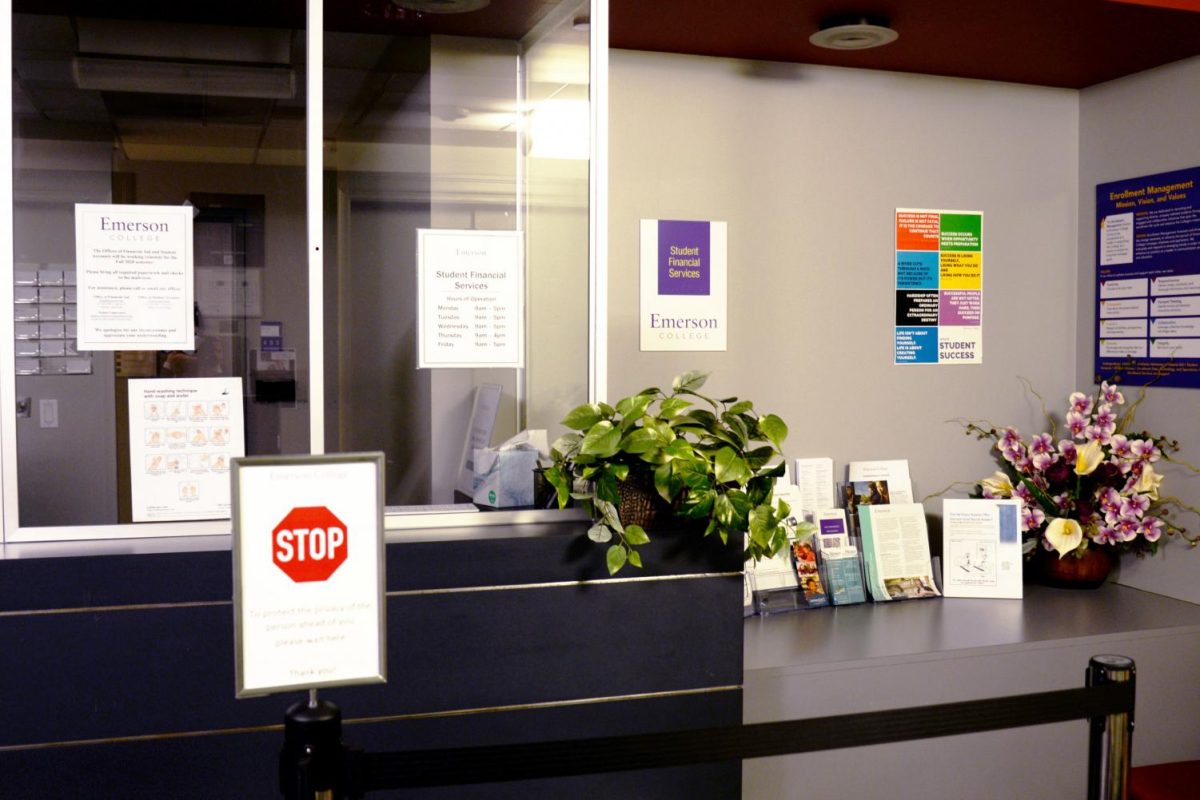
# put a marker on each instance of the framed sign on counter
(308, 572)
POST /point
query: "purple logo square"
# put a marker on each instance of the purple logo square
(684, 260)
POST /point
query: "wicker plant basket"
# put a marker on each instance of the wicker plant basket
(640, 504)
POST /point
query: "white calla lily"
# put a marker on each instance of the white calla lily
(999, 484)
(1148, 482)
(1064, 535)
(1088, 457)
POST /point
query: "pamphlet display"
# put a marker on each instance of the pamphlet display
(683, 285)
(840, 558)
(939, 287)
(896, 559)
(134, 276)
(308, 564)
(1148, 280)
(183, 436)
(981, 546)
(470, 290)
(484, 407)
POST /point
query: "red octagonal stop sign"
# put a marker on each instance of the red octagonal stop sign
(309, 544)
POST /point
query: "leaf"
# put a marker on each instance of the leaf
(561, 484)
(679, 448)
(634, 534)
(672, 406)
(616, 558)
(634, 407)
(583, 417)
(639, 440)
(635, 558)
(690, 381)
(741, 408)
(730, 467)
(737, 428)
(600, 533)
(774, 428)
(566, 444)
(601, 440)
(606, 487)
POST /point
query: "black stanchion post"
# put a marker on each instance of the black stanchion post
(1110, 739)
(310, 763)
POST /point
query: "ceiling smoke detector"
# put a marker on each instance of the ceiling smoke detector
(853, 32)
(442, 6)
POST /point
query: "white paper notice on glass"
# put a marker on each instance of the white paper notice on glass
(894, 472)
(814, 477)
(134, 275)
(470, 290)
(981, 548)
(183, 436)
(308, 562)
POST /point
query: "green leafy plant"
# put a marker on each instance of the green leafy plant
(711, 462)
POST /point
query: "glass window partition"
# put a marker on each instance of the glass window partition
(465, 116)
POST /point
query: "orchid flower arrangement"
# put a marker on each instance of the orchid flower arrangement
(1095, 486)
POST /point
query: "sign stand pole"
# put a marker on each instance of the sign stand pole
(310, 762)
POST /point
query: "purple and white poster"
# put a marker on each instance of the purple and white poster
(683, 285)
(1148, 280)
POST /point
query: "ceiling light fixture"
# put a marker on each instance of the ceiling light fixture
(112, 74)
(853, 32)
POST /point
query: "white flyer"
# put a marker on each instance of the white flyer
(981, 545)
(814, 476)
(183, 435)
(894, 472)
(134, 274)
(470, 299)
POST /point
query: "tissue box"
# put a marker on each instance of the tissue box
(504, 478)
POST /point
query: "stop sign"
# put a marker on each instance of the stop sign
(309, 544)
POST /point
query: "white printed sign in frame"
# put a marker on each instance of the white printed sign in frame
(308, 569)
(470, 290)
(683, 285)
(134, 276)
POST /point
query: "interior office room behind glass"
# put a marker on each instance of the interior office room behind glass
(465, 121)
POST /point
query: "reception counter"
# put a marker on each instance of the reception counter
(117, 670)
(870, 657)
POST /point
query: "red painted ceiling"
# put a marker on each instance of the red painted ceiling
(1066, 43)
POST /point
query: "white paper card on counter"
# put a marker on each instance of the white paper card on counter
(308, 572)
(183, 436)
(981, 545)
(895, 472)
(135, 277)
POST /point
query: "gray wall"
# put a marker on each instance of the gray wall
(1142, 125)
(807, 165)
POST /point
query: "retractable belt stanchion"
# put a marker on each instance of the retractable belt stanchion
(1110, 739)
(315, 765)
(311, 763)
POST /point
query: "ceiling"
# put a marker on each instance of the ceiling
(1064, 43)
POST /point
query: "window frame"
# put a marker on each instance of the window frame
(30, 541)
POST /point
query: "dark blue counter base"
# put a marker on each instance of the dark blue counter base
(116, 672)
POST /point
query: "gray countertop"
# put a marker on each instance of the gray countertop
(816, 639)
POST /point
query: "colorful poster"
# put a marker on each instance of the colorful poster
(1148, 280)
(134, 273)
(683, 285)
(183, 435)
(470, 288)
(939, 287)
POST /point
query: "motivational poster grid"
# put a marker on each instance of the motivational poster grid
(939, 287)
(1148, 280)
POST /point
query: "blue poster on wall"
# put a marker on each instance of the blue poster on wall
(1148, 280)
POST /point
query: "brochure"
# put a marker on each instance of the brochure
(839, 556)
(814, 479)
(895, 542)
(981, 543)
(894, 472)
(808, 576)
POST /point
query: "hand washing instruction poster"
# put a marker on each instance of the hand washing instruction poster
(183, 434)
(134, 273)
(683, 285)
(470, 299)
(1148, 280)
(939, 287)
